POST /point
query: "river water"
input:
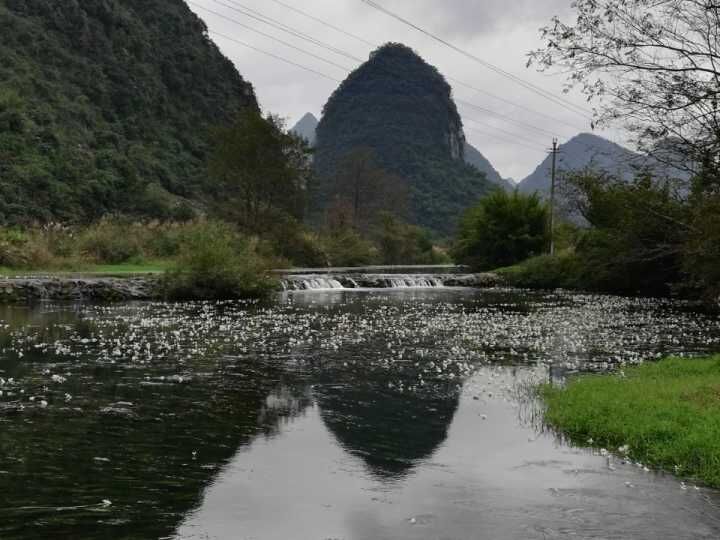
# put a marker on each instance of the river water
(347, 415)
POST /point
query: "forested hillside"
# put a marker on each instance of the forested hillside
(401, 109)
(104, 106)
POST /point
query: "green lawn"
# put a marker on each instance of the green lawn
(667, 413)
(125, 269)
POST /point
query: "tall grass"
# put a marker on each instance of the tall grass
(110, 241)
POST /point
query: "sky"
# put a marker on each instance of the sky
(513, 136)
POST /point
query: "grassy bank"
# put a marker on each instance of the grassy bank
(86, 269)
(665, 414)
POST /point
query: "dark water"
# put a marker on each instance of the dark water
(394, 414)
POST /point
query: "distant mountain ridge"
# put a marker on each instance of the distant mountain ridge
(587, 150)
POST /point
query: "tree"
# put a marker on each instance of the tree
(403, 243)
(653, 64)
(637, 233)
(259, 170)
(502, 229)
(361, 190)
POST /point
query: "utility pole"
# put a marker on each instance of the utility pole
(554, 152)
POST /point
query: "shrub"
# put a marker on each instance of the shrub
(501, 230)
(564, 270)
(215, 262)
(402, 243)
(112, 241)
(294, 244)
(25, 249)
(346, 247)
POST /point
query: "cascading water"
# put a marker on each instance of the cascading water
(363, 281)
(383, 277)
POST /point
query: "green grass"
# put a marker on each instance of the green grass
(123, 269)
(667, 412)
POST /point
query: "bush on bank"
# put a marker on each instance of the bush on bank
(664, 414)
(216, 262)
(561, 271)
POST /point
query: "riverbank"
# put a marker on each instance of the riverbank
(665, 415)
(14, 290)
(119, 286)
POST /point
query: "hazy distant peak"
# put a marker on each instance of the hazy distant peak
(306, 127)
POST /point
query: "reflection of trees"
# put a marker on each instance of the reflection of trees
(390, 430)
(143, 463)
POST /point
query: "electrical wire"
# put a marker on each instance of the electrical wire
(326, 23)
(528, 85)
(324, 75)
(274, 56)
(247, 27)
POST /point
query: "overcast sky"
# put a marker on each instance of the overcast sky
(498, 31)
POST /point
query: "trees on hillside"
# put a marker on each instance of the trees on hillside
(258, 170)
(502, 229)
(361, 190)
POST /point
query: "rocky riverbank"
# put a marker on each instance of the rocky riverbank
(100, 289)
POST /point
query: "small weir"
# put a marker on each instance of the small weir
(363, 281)
(352, 280)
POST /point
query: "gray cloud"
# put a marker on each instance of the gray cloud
(462, 19)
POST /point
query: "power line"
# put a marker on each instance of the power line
(247, 27)
(275, 56)
(512, 103)
(507, 118)
(493, 136)
(256, 15)
(495, 128)
(528, 85)
(507, 139)
(477, 107)
(288, 29)
(329, 25)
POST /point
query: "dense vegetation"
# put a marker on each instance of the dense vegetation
(216, 263)
(502, 229)
(664, 414)
(121, 245)
(656, 234)
(400, 108)
(258, 172)
(104, 107)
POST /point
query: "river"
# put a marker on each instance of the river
(354, 415)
